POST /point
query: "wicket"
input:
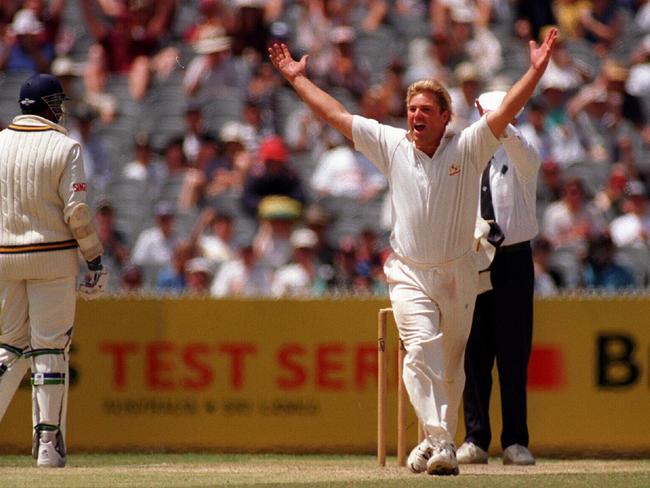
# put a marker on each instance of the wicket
(382, 395)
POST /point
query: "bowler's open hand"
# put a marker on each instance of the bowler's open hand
(285, 64)
(540, 55)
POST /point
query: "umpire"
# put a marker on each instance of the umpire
(503, 316)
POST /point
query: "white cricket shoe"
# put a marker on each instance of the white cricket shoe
(49, 457)
(518, 455)
(417, 460)
(443, 459)
(470, 453)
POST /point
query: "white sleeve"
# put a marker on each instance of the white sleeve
(478, 144)
(72, 185)
(375, 141)
(522, 153)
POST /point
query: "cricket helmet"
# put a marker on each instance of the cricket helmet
(42, 91)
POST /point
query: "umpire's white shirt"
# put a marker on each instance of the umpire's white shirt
(513, 183)
(433, 199)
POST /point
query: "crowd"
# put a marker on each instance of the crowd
(209, 176)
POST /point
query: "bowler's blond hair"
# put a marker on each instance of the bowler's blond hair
(434, 87)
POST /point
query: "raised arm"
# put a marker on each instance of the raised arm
(322, 104)
(523, 89)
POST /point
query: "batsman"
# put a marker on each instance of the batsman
(44, 223)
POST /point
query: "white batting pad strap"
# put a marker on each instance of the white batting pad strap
(84, 232)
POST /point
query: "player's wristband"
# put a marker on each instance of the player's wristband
(95, 264)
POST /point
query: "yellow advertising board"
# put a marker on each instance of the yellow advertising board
(300, 376)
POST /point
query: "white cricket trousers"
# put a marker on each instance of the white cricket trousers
(433, 308)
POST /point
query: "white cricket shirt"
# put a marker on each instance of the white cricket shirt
(433, 199)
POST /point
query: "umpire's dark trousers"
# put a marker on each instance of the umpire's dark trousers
(502, 329)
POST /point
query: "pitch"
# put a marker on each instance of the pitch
(197, 470)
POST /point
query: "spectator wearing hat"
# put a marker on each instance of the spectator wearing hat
(215, 237)
(243, 276)
(134, 40)
(277, 214)
(563, 66)
(214, 71)
(464, 95)
(214, 15)
(302, 276)
(29, 41)
(198, 276)
(346, 70)
(566, 146)
(633, 227)
(154, 246)
(272, 175)
(534, 130)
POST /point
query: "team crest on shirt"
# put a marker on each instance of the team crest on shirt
(454, 169)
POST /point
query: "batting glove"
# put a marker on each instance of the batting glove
(95, 281)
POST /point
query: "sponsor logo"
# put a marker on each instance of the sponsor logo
(27, 101)
(454, 169)
(78, 187)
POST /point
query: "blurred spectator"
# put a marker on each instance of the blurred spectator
(393, 89)
(171, 278)
(633, 227)
(301, 276)
(154, 246)
(271, 176)
(602, 23)
(213, 15)
(614, 75)
(278, 215)
(95, 78)
(251, 28)
(216, 245)
(369, 262)
(116, 251)
(318, 220)
(345, 268)
(131, 279)
(569, 14)
(566, 147)
(261, 95)
(194, 129)
(471, 40)
(429, 59)
(531, 16)
(534, 130)
(29, 42)
(346, 70)
(198, 276)
(609, 199)
(214, 70)
(464, 95)
(134, 40)
(97, 163)
(547, 281)
(563, 68)
(143, 167)
(242, 276)
(570, 221)
(343, 172)
(599, 269)
(174, 157)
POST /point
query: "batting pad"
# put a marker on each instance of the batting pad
(49, 389)
(13, 366)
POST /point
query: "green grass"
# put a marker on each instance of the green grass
(202, 470)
